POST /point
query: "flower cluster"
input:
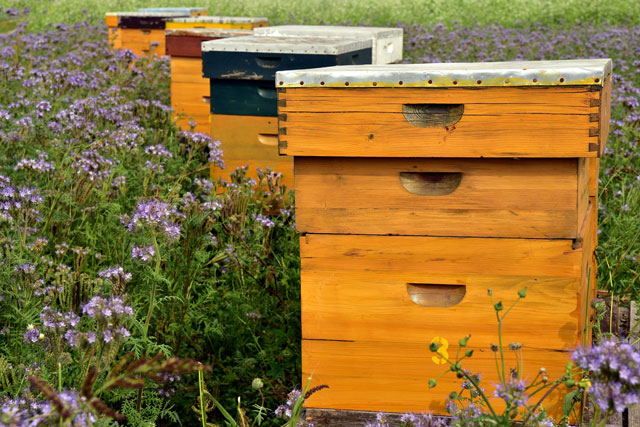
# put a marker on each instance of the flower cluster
(614, 368)
(111, 314)
(286, 410)
(27, 412)
(143, 253)
(155, 214)
(118, 277)
(513, 392)
(93, 165)
(41, 164)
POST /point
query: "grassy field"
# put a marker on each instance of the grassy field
(367, 12)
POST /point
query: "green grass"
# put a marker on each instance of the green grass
(369, 12)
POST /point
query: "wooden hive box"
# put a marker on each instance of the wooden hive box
(142, 32)
(243, 91)
(387, 42)
(418, 187)
(189, 89)
(192, 11)
(228, 22)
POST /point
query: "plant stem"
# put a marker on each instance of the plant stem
(152, 297)
(202, 411)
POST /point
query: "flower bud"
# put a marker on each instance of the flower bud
(463, 341)
(522, 293)
(453, 395)
(494, 348)
(434, 346)
(515, 346)
(498, 306)
(468, 353)
(489, 291)
(432, 383)
(257, 384)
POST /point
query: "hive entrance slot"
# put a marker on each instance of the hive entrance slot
(268, 139)
(435, 295)
(430, 183)
(432, 115)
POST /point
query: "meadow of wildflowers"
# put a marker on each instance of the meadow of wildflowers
(122, 264)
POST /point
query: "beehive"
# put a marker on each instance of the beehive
(387, 42)
(243, 91)
(228, 22)
(192, 11)
(189, 90)
(418, 187)
(142, 32)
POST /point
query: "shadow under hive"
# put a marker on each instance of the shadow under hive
(189, 89)
(418, 187)
(243, 92)
(142, 32)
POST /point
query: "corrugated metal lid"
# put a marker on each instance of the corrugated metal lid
(208, 32)
(480, 74)
(221, 19)
(150, 14)
(290, 44)
(173, 9)
(328, 31)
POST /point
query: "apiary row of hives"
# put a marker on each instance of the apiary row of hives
(418, 187)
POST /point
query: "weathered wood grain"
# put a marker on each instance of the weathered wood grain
(494, 198)
(605, 114)
(379, 376)
(496, 122)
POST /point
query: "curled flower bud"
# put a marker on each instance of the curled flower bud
(515, 346)
(257, 384)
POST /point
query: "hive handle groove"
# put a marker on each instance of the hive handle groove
(206, 100)
(267, 92)
(269, 139)
(268, 61)
(432, 115)
(436, 295)
(430, 183)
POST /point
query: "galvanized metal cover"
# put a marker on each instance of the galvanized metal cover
(516, 73)
(208, 32)
(328, 31)
(173, 9)
(221, 20)
(291, 44)
(149, 14)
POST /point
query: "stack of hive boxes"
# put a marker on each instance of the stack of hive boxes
(243, 94)
(418, 187)
(189, 90)
(142, 32)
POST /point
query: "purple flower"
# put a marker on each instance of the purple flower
(116, 275)
(614, 370)
(512, 392)
(159, 151)
(32, 334)
(143, 253)
(287, 409)
(263, 220)
(157, 215)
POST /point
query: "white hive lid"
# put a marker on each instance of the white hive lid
(221, 20)
(328, 31)
(288, 44)
(480, 74)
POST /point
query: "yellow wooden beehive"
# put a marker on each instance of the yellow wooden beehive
(190, 92)
(418, 187)
(142, 32)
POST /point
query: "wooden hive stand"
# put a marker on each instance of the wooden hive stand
(420, 186)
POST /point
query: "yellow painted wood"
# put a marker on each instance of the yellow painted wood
(531, 198)
(250, 140)
(111, 20)
(393, 377)
(605, 113)
(594, 174)
(354, 288)
(188, 70)
(495, 122)
(367, 339)
(115, 38)
(140, 41)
